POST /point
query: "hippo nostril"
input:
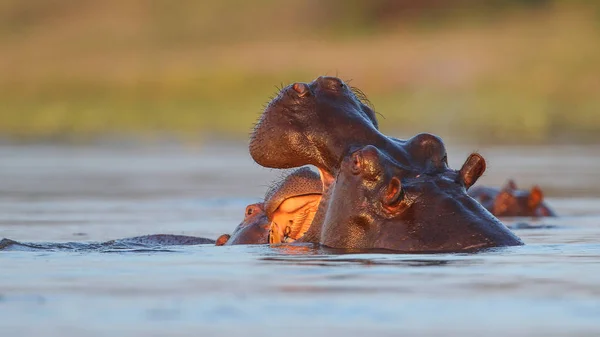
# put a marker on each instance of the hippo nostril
(356, 163)
(252, 210)
(301, 89)
(332, 83)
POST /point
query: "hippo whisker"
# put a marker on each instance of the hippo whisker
(361, 96)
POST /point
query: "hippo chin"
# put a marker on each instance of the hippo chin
(285, 215)
(512, 202)
(321, 123)
(377, 203)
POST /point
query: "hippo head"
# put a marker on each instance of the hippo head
(511, 201)
(284, 216)
(312, 123)
(254, 229)
(376, 202)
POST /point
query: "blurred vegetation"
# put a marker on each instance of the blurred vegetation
(482, 71)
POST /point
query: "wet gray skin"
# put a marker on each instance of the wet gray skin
(377, 203)
(511, 202)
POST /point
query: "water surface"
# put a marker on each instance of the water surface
(85, 194)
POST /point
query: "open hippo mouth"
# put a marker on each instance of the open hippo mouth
(291, 205)
(321, 122)
(285, 214)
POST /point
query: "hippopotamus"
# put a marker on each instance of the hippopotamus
(510, 201)
(323, 122)
(285, 214)
(376, 203)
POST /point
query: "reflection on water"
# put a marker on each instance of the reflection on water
(366, 262)
(69, 206)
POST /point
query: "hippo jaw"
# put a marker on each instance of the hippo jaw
(292, 219)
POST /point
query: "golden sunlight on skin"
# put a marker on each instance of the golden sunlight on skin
(293, 218)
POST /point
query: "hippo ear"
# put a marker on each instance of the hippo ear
(502, 203)
(471, 170)
(221, 240)
(535, 197)
(510, 185)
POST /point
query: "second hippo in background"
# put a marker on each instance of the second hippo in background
(285, 214)
(512, 202)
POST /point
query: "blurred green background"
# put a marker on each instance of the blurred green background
(475, 71)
